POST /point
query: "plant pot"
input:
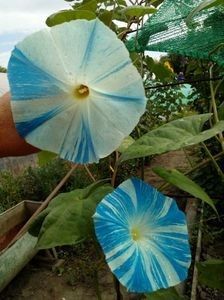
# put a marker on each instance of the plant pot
(14, 258)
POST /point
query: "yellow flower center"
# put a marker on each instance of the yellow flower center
(81, 92)
(135, 233)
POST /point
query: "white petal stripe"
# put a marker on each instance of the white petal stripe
(152, 251)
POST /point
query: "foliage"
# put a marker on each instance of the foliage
(68, 15)
(67, 219)
(172, 136)
(44, 157)
(207, 179)
(206, 4)
(165, 103)
(211, 273)
(38, 182)
(3, 70)
(138, 11)
(10, 191)
(109, 12)
(165, 294)
(184, 183)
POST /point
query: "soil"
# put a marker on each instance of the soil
(73, 276)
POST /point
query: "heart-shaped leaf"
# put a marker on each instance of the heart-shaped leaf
(172, 136)
(69, 15)
(68, 218)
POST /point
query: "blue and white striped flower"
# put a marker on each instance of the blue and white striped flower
(144, 237)
(75, 90)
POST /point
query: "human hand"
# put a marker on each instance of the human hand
(11, 144)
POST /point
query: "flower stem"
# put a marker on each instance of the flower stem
(116, 282)
(214, 106)
(89, 173)
(219, 171)
(117, 288)
(115, 169)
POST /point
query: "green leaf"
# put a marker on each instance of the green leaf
(160, 70)
(172, 136)
(69, 15)
(164, 294)
(204, 5)
(35, 227)
(69, 216)
(122, 2)
(125, 144)
(211, 273)
(138, 11)
(136, 59)
(184, 183)
(90, 5)
(44, 157)
(106, 17)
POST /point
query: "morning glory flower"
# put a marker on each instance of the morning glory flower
(74, 90)
(144, 237)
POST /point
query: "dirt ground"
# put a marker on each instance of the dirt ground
(73, 274)
(39, 283)
(79, 274)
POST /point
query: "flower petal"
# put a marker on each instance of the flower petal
(160, 257)
(44, 71)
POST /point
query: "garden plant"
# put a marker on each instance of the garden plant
(86, 90)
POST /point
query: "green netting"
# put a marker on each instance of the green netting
(166, 31)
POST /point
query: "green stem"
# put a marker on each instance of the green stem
(214, 106)
(115, 169)
(219, 171)
(188, 158)
(203, 163)
(89, 173)
(116, 282)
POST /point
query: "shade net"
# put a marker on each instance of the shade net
(167, 31)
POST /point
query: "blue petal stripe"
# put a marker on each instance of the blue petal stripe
(162, 254)
(158, 272)
(27, 81)
(112, 72)
(83, 148)
(24, 128)
(78, 48)
(118, 97)
(89, 46)
(139, 280)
